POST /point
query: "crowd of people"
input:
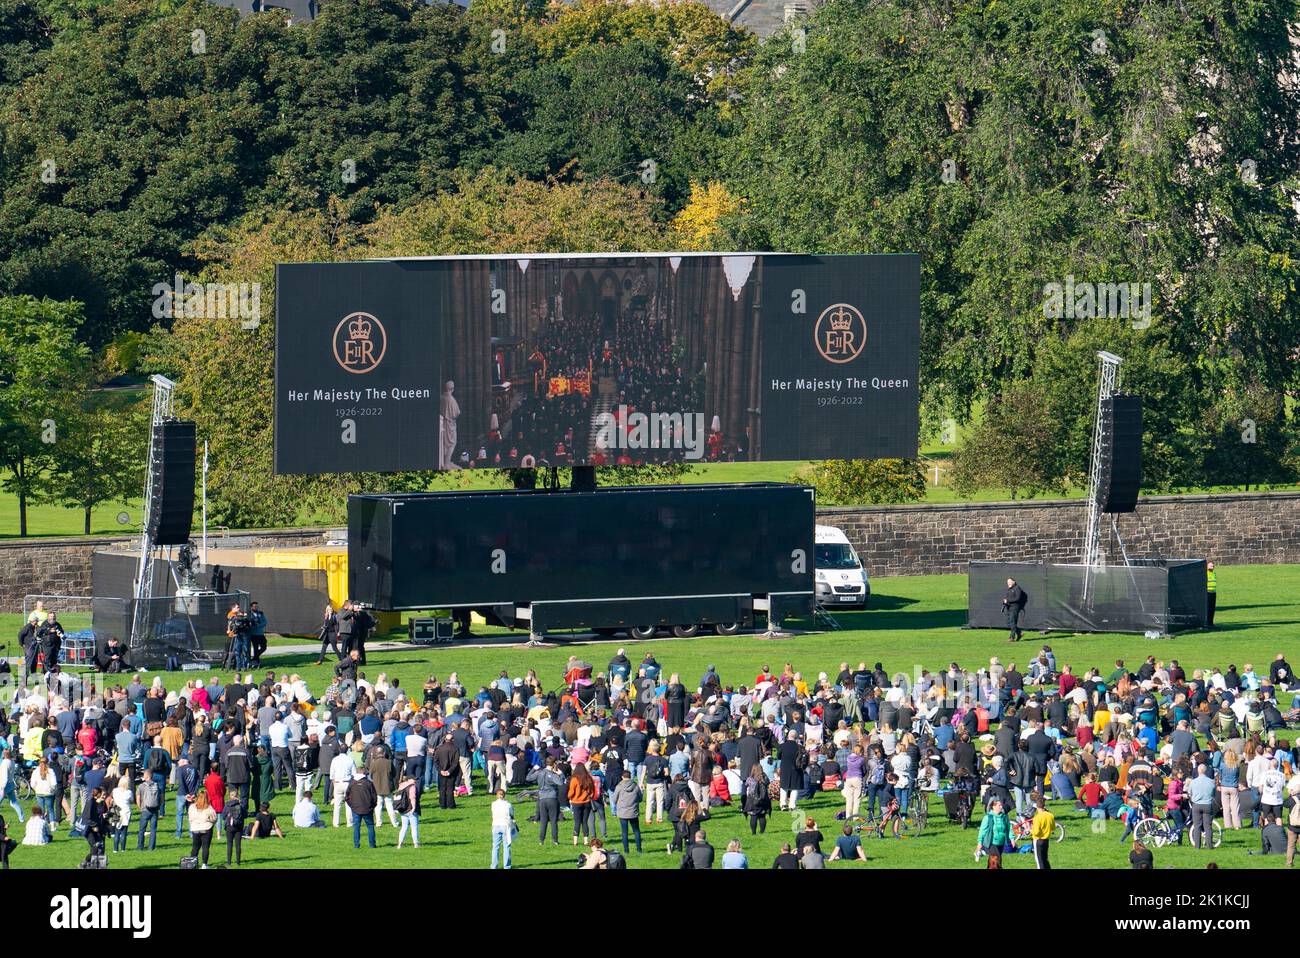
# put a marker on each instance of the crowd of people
(635, 745)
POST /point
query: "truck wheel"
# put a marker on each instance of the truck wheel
(642, 633)
(685, 631)
(727, 628)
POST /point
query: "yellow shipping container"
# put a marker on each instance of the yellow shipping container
(333, 561)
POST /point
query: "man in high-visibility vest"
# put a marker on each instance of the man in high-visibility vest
(1211, 594)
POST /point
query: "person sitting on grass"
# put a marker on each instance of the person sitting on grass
(306, 814)
(264, 824)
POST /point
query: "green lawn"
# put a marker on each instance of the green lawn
(915, 621)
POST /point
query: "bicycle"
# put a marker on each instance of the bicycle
(895, 822)
(1159, 832)
(1022, 829)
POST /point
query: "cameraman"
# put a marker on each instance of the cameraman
(50, 636)
(257, 633)
(355, 622)
(238, 627)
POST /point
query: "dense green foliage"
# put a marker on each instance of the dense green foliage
(1013, 145)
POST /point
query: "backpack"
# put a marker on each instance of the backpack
(615, 859)
(752, 792)
(150, 794)
(402, 801)
(235, 816)
(801, 759)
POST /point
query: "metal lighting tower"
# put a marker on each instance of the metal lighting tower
(1107, 385)
(162, 409)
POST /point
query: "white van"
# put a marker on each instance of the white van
(841, 580)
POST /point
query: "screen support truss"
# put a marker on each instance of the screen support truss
(1108, 384)
(143, 592)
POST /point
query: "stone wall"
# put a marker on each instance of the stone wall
(892, 540)
(1231, 529)
(62, 566)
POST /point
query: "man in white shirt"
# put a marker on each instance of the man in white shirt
(306, 814)
(1256, 769)
(503, 827)
(341, 769)
(734, 783)
(1271, 785)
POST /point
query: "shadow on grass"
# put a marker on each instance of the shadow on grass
(873, 619)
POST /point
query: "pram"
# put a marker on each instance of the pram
(959, 801)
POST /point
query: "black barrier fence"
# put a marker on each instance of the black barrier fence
(293, 599)
(191, 628)
(1154, 595)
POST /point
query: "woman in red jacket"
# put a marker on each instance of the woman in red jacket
(216, 789)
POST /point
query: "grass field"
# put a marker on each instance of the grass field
(914, 621)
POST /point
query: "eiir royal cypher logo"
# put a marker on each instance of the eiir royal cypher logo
(840, 333)
(359, 342)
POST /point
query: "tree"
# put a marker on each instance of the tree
(1014, 446)
(853, 481)
(100, 199)
(1248, 439)
(699, 221)
(626, 113)
(101, 457)
(42, 376)
(1017, 143)
(1065, 374)
(702, 43)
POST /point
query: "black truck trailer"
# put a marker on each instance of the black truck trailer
(635, 558)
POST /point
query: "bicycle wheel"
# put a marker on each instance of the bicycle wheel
(1217, 832)
(1150, 832)
(919, 814)
(1059, 833)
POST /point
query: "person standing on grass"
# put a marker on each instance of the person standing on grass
(148, 799)
(120, 804)
(1040, 830)
(627, 809)
(995, 830)
(406, 800)
(340, 773)
(446, 760)
(203, 819)
(654, 772)
(757, 801)
(581, 794)
(503, 828)
(362, 799)
(550, 783)
(1013, 605)
(234, 815)
(1211, 594)
(1201, 794)
(187, 784)
(329, 635)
